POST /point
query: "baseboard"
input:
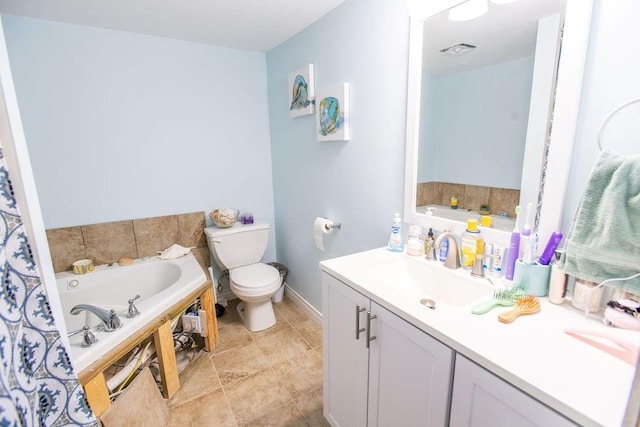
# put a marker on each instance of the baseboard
(297, 299)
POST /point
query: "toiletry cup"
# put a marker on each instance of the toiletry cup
(533, 278)
(83, 266)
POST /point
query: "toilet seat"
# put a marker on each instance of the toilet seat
(255, 279)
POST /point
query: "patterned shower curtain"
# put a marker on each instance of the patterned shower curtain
(38, 386)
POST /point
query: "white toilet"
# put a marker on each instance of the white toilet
(239, 249)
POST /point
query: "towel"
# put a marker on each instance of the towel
(174, 251)
(604, 239)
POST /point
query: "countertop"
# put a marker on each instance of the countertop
(584, 383)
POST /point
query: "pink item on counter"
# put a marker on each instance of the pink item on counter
(621, 343)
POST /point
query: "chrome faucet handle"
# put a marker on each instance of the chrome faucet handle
(133, 310)
(113, 323)
(88, 337)
(478, 270)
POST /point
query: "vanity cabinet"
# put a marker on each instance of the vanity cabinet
(379, 370)
(482, 399)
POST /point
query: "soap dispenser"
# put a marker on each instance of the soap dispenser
(395, 238)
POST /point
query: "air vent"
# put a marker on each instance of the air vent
(458, 49)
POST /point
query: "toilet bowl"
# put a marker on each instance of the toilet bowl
(239, 249)
(254, 285)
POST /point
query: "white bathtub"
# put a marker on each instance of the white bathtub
(499, 222)
(160, 284)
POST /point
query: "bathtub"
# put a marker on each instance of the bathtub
(160, 284)
(499, 222)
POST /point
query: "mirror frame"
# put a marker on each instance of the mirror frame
(556, 163)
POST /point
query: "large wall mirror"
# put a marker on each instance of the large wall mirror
(482, 94)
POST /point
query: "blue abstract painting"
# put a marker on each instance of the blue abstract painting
(301, 91)
(333, 113)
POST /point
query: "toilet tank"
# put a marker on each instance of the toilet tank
(238, 245)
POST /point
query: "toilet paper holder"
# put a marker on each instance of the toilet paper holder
(330, 227)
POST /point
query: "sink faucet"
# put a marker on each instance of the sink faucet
(453, 257)
(109, 318)
(478, 269)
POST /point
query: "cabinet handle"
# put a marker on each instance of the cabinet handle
(358, 328)
(369, 318)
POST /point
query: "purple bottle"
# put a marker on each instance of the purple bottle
(550, 249)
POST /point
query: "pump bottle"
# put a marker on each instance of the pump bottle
(395, 238)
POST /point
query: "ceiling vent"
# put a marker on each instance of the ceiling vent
(457, 50)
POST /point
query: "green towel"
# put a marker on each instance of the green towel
(604, 240)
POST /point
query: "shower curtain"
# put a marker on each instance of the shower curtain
(38, 386)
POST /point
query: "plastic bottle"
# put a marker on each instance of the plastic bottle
(444, 248)
(557, 282)
(472, 244)
(429, 250)
(415, 245)
(514, 249)
(395, 239)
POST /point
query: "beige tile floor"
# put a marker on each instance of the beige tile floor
(269, 378)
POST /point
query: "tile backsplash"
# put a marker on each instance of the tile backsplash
(136, 238)
(469, 196)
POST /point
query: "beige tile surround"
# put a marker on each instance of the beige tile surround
(469, 196)
(136, 238)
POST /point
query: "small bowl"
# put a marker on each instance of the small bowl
(224, 217)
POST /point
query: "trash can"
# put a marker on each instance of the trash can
(283, 270)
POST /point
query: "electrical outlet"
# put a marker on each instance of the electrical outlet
(202, 317)
(191, 324)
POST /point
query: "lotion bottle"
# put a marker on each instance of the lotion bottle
(558, 281)
(444, 248)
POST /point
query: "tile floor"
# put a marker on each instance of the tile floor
(269, 378)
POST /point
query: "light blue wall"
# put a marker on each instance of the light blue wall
(76, 99)
(359, 182)
(476, 118)
(123, 126)
(611, 79)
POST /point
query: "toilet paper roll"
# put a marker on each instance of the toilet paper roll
(321, 226)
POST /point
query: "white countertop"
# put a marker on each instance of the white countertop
(582, 382)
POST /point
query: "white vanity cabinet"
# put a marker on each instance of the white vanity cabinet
(379, 370)
(482, 399)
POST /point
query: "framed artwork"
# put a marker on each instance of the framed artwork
(301, 91)
(332, 115)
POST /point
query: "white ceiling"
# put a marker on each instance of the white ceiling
(504, 33)
(256, 25)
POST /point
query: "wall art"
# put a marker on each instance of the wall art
(332, 115)
(301, 91)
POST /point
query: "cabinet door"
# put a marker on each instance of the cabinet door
(409, 374)
(482, 399)
(345, 358)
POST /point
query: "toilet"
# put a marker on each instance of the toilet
(239, 249)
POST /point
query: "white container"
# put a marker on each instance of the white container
(587, 296)
(277, 297)
(557, 282)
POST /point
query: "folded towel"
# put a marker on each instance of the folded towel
(604, 240)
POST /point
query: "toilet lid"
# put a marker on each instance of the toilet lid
(254, 276)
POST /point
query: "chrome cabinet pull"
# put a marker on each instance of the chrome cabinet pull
(369, 318)
(358, 328)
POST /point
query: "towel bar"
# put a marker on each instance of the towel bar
(609, 117)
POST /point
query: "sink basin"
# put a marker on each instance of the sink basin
(418, 279)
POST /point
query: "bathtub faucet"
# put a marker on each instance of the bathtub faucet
(109, 318)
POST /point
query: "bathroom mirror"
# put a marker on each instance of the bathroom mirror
(446, 152)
